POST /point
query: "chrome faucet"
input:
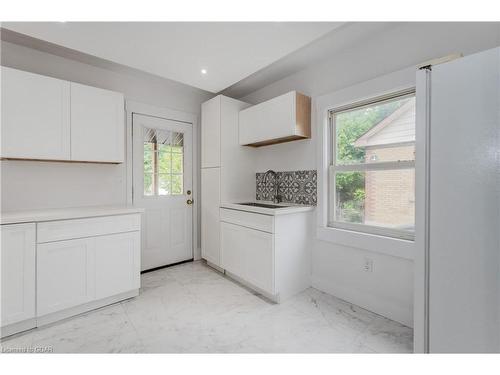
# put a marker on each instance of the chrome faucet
(275, 198)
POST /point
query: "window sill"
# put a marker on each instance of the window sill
(380, 244)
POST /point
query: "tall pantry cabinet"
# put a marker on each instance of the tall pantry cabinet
(227, 169)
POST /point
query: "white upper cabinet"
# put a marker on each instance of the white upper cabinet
(281, 119)
(35, 116)
(97, 124)
(210, 133)
(45, 118)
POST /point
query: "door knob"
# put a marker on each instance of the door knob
(189, 201)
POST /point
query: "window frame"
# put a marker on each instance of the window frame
(333, 168)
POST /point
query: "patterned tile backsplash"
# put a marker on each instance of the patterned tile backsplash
(299, 187)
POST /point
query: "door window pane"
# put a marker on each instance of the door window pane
(177, 184)
(163, 162)
(176, 163)
(177, 141)
(148, 184)
(164, 184)
(148, 158)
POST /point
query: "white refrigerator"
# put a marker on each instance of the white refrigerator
(457, 265)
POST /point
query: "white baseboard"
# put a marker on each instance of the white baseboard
(197, 254)
(14, 328)
(59, 315)
(67, 313)
(271, 297)
(367, 301)
(217, 268)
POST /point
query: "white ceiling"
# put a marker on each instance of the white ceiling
(229, 52)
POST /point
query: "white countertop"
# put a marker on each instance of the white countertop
(13, 217)
(288, 208)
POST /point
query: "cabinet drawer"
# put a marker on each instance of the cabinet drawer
(79, 228)
(252, 220)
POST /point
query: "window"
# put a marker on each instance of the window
(372, 166)
(163, 162)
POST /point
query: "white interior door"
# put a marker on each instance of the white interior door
(162, 185)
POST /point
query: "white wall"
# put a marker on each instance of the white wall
(33, 185)
(338, 269)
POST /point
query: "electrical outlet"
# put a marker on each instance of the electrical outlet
(368, 265)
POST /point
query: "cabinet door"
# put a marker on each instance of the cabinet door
(232, 249)
(210, 133)
(210, 216)
(18, 273)
(271, 120)
(35, 116)
(97, 124)
(259, 259)
(117, 261)
(249, 254)
(65, 274)
(237, 163)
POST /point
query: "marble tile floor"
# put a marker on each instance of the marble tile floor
(190, 308)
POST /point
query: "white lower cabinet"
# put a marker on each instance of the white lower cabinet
(76, 266)
(259, 251)
(270, 254)
(65, 274)
(117, 264)
(232, 241)
(249, 254)
(18, 274)
(74, 272)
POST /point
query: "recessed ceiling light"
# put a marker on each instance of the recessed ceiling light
(203, 71)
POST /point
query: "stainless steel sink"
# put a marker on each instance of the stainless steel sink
(263, 205)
